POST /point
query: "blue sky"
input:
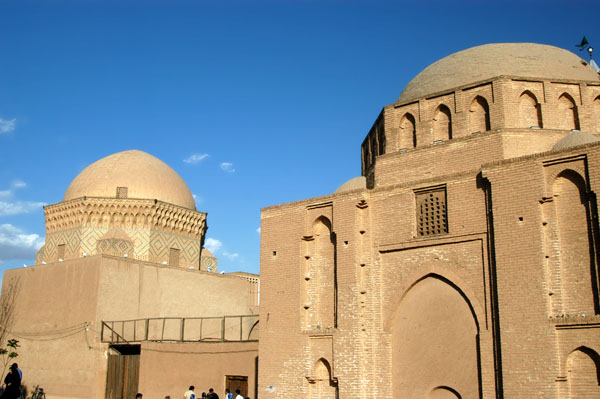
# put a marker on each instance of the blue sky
(271, 99)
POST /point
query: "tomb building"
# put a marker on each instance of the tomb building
(124, 299)
(463, 262)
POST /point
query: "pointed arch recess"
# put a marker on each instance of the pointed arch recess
(479, 115)
(442, 123)
(574, 239)
(583, 373)
(596, 111)
(435, 324)
(529, 110)
(408, 131)
(568, 118)
(320, 290)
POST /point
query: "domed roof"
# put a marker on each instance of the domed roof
(574, 139)
(356, 183)
(527, 60)
(144, 176)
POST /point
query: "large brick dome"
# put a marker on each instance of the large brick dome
(143, 176)
(527, 60)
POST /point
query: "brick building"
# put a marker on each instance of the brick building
(463, 263)
(123, 298)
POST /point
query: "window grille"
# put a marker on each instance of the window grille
(432, 213)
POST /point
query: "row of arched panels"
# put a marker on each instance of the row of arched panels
(443, 127)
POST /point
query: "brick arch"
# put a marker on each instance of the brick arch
(443, 392)
(596, 112)
(322, 383)
(319, 289)
(320, 223)
(479, 115)
(583, 373)
(578, 285)
(408, 131)
(567, 115)
(442, 123)
(529, 110)
(445, 273)
(435, 323)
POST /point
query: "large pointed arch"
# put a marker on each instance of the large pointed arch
(435, 324)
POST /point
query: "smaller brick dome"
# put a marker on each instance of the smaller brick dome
(355, 183)
(574, 139)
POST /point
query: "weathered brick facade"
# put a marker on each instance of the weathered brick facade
(467, 267)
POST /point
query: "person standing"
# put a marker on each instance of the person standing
(190, 394)
(139, 396)
(228, 394)
(13, 383)
(212, 394)
(238, 394)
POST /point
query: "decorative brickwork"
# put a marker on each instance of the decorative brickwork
(153, 227)
(468, 266)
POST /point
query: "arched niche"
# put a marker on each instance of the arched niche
(596, 110)
(479, 115)
(443, 393)
(320, 277)
(435, 343)
(408, 132)
(529, 111)
(322, 384)
(568, 118)
(442, 123)
(583, 373)
(577, 267)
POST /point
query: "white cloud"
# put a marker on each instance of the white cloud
(7, 125)
(198, 199)
(19, 184)
(258, 230)
(212, 245)
(195, 158)
(227, 167)
(5, 193)
(230, 255)
(19, 207)
(14, 244)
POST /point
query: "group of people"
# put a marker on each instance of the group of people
(190, 394)
(12, 383)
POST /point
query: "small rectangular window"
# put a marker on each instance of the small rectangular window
(174, 257)
(121, 192)
(432, 212)
(61, 251)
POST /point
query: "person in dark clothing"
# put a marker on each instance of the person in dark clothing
(13, 384)
(212, 394)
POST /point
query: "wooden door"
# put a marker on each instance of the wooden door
(234, 382)
(122, 376)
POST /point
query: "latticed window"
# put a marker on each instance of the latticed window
(432, 213)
